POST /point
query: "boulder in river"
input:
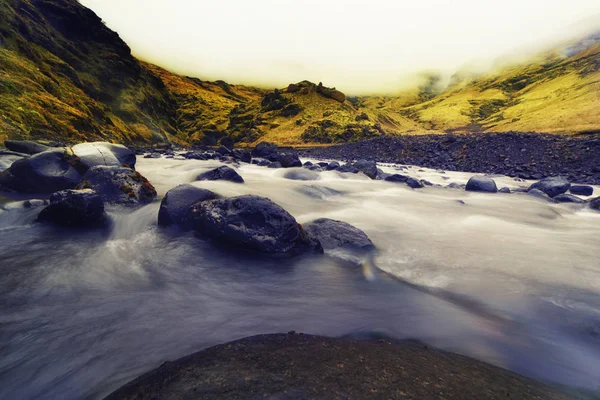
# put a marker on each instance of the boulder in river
(568, 198)
(103, 153)
(318, 192)
(252, 223)
(300, 174)
(264, 150)
(397, 178)
(242, 155)
(119, 185)
(369, 168)
(348, 168)
(223, 173)
(414, 183)
(290, 160)
(333, 165)
(175, 207)
(25, 146)
(480, 183)
(274, 165)
(581, 190)
(504, 190)
(539, 194)
(75, 208)
(595, 204)
(552, 186)
(334, 234)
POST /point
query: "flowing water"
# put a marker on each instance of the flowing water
(508, 279)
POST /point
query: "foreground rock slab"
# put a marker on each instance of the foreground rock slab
(297, 366)
(252, 223)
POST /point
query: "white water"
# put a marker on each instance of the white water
(508, 279)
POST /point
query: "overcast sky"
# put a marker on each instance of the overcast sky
(357, 46)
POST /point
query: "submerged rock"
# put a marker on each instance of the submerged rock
(552, 186)
(581, 190)
(175, 207)
(334, 234)
(568, 198)
(481, 184)
(318, 192)
(302, 175)
(25, 146)
(595, 204)
(397, 178)
(252, 223)
(119, 185)
(223, 173)
(75, 208)
(539, 194)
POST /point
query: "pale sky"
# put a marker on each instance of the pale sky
(369, 46)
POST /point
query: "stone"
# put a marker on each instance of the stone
(25, 146)
(334, 234)
(568, 198)
(369, 168)
(581, 190)
(75, 208)
(223, 173)
(103, 153)
(552, 186)
(298, 174)
(119, 185)
(413, 183)
(481, 184)
(175, 207)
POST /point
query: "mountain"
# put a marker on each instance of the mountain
(65, 76)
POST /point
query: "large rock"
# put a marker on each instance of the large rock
(299, 174)
(414, 183)
(264, 150)
(103, 153)
(396, 178)
(290, 160)
(582, 190)
(175, 207)
(75, 208)
(334, 234)
(119, 185)
(25, 146)
(552, 186)
(481, 184)
(595, 204)
(252, 223)
(539, 194)
(46, 172)
(369, 168)
(223, 173)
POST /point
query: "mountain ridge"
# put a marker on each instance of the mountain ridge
(65, 76)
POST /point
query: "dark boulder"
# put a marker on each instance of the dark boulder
(413, 183)
(242, 155)
(298, 174)
(381, 175)
(504, 190)
(552, 186)
(581, 190)
(175, 207)
(252, 223)
(369, 168)
(307, 164)
(264, 163)
(264, 150)
(223, 173)
(75, 208)
(290, 160)
(25, 146)
(595, 204)
(119, 185)
(396, 178)
(539, 194)
(46, 172)
(334, 234)
(224, 151)
(348, 168)
(481, 184)
(568, 198)
(333, 165)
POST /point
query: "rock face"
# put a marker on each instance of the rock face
(46, 172)
(223, 173)
(119, 185)
(334, 234)
(302, 175)
(25, 146)
(102, 153)
(175, 207)
(369, 168)
(552, 186)
(582, 190)
(252, 223)
(75, 208)
(481, 184)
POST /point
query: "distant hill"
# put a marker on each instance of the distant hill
(65, 76)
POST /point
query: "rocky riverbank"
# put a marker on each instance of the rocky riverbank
(523, 155)
(277, 367)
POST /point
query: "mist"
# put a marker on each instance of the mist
(360, 47)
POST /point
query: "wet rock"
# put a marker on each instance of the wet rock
(504, 190)
(252, 223)
(290, 160)
(103, 153)
(381, 175)
(595, 204)
(323, 164)
(318, 192)
(75, 208)
(223, 173)
(153, 155)
(223, 151)
(275, 164)
(25, 146)
(539, 194)
(334, 234)
(581, 190)
(307, 164)
(264, 150)
(348, 168)
(119, 185)
(46, 172)
(413, 183)
(552, 186)
(242, 155)
(175, 207)
(34, 203)
(369, 168)
(299, 174)
(568, 198)
(396, 178)
(264, 163)
(481, 184)
(333, 165)
(455, 185)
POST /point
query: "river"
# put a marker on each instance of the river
(505, 278)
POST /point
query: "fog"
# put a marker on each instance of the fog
(357, 46)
